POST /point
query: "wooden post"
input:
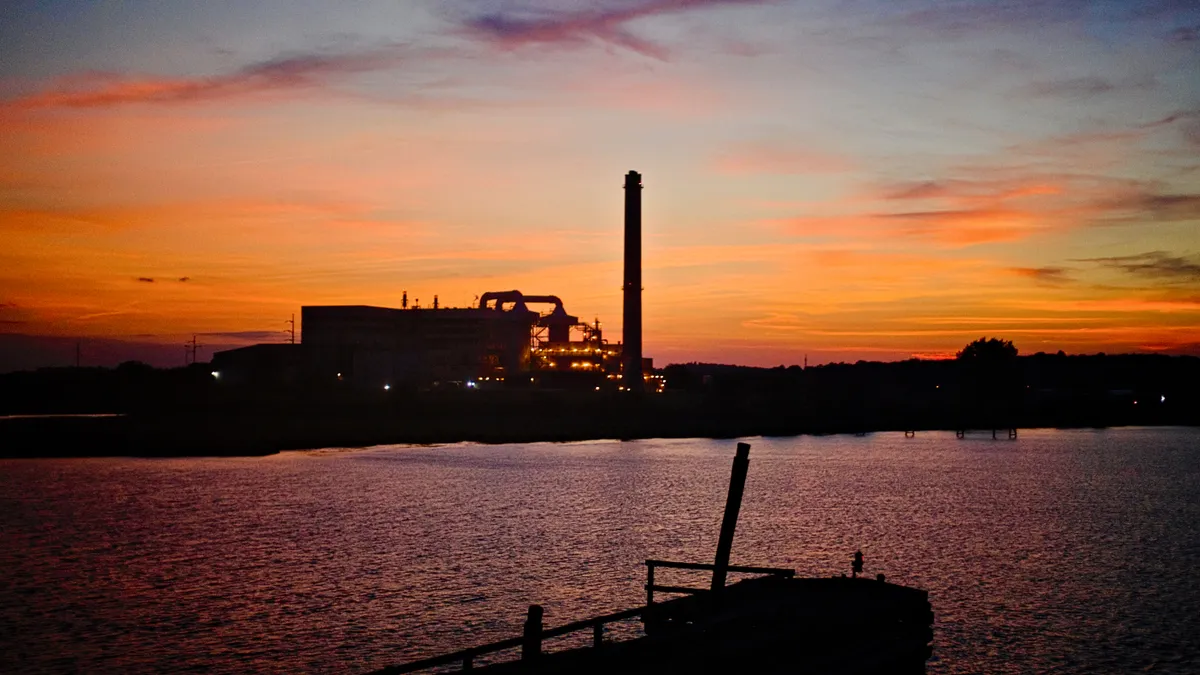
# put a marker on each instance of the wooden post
(531, 646)
(733, 504)
(468, 662)
(649, 583)
(597, 635)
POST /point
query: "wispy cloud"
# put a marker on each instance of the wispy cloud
(1186, 121)
(605, 21)
(1168, 206)
(1184, 34)
(952, 212)
(972, 192)
(961, 18)
(1181, 115)
(284, 73)
(1153, 265)
(1085, 87)
(1051, 276)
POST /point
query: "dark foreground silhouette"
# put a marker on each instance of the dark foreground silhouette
(186, 411)
(771, 624)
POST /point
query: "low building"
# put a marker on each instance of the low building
(266, 364)
(381, 346)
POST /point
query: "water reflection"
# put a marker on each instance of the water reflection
(1068, 550)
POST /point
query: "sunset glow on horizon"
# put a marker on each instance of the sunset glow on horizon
(842, 181)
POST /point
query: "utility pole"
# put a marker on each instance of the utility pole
(191, 349)
(292, 330)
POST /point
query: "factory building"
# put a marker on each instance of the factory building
(486, 346)
(378, 346)
(500, 341)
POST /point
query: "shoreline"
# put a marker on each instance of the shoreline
(181, 436)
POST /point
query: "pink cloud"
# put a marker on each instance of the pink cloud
(604, 22)
(305, 71)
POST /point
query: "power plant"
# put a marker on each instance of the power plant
(501, 342)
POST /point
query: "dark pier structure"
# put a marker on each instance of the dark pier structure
(772, 623)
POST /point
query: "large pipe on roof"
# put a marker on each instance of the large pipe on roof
(500, 297)
(520, 299)
(631, 361)
(546, 299)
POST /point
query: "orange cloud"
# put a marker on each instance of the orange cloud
(960, 213)
(955, 228)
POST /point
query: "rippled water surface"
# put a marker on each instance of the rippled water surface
(1063, 551)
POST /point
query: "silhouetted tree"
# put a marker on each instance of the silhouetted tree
(990, 381)
(989, 350)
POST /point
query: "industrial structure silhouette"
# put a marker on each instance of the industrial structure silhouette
(501, 342)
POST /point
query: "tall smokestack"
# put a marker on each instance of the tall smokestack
(632, 328)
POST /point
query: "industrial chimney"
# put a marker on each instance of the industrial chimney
(632, 329)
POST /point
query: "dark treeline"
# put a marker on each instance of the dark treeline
(185, 411)
(1031, 391)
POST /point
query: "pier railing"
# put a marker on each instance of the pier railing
(530, 643)
(652, 588)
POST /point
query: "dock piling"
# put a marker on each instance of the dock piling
(531, 643)
(649, 583)
(733, 505)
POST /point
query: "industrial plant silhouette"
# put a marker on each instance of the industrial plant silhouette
(501, 343)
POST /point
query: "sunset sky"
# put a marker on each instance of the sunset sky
(870, 179)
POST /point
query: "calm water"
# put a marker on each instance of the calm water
(1063, 551)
